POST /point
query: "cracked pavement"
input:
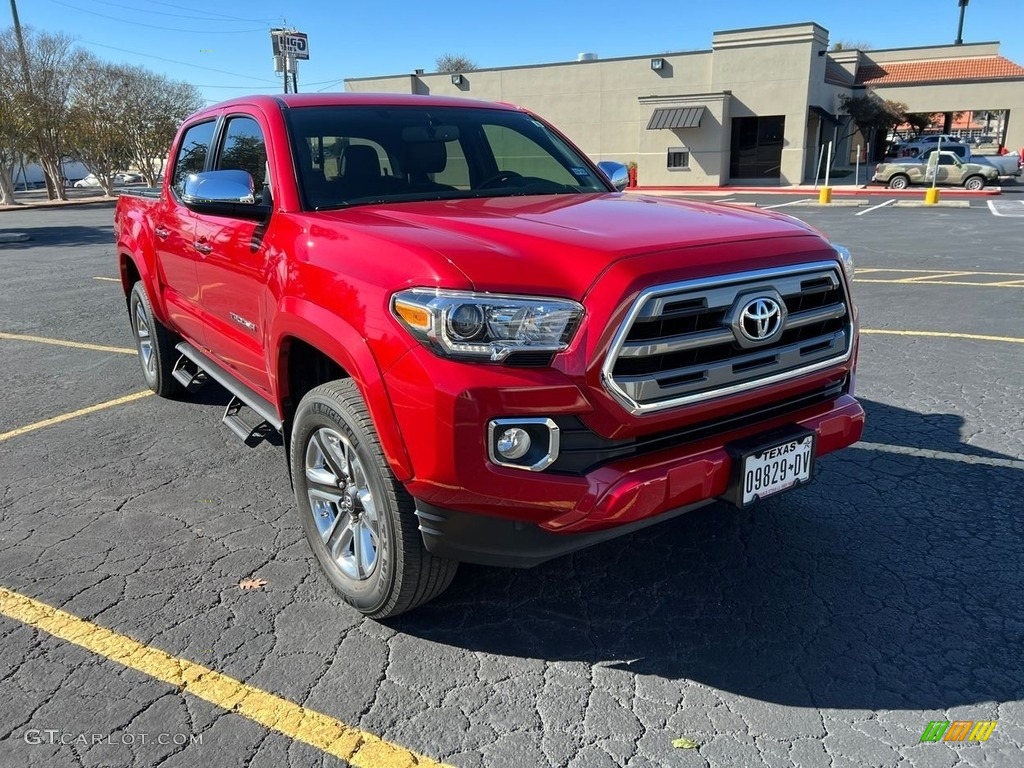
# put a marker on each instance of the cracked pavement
(825, 628)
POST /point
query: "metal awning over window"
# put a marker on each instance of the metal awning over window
(825, 115)
(675, 117)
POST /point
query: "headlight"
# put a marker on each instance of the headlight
(486, 326)
(846, 258)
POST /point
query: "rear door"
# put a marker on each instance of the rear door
(233, 261)
(174, 234)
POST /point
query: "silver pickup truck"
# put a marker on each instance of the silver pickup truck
(1005, 165)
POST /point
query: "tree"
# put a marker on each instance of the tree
(871, 115)
(13, 110)
(94, 133)
(154, 107)
(52, 69)
(450, 62)
(850, 45)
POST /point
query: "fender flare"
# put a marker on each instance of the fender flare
(306, 322)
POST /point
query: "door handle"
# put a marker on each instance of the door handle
(203, 248)
(162, 232)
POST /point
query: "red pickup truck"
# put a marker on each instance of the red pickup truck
(473, 347)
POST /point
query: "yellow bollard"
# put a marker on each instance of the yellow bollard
(931, 196)
(825, 195)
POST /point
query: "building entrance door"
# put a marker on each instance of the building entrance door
(757, 147)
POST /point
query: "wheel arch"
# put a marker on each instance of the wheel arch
(307, 355)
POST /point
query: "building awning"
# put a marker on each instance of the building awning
(675, 117)
(825, 115)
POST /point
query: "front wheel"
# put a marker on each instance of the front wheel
(359, 520)
(899, 182)
(155, 344)
(974, 183)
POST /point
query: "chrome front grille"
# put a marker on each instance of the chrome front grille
(683, 343)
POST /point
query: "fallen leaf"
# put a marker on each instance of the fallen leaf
(684, 743)
(252, 583)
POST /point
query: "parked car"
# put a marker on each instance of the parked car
(120, 179)
(1006, 165)
(472, 347)
(949, 170)
(921, 144)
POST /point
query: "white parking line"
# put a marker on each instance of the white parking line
(1008, 208)
(875, 207)
(964, 458)
(783, 205)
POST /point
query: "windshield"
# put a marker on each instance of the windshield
(359, 155)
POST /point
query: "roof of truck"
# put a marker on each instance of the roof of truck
(293, 100)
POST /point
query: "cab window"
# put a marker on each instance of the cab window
(192, 153)
(244, 149)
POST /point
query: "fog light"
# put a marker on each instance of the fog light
(528, 443)
(513, 443)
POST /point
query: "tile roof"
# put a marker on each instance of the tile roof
(943, 70)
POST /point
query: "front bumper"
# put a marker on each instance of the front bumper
(473, 510)
(617, 499)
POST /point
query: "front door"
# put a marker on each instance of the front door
(233, 264)
(174, 235)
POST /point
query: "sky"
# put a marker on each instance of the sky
(225, 49)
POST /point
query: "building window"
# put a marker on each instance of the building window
(678, 157)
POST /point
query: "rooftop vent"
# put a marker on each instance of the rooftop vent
(586, 57)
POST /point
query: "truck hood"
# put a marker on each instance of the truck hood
(559, 245)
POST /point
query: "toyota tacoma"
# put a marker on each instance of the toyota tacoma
(473, 347)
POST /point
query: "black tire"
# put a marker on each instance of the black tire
(899, 181)
(154, 343)
(974, 183)
(333, 437)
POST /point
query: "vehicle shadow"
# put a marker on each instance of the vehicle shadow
(70, 234)
(893, 581)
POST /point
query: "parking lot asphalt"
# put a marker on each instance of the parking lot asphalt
(827, 627)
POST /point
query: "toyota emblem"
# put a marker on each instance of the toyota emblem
(761, 319)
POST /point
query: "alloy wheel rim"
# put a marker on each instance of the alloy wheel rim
(145, 339)
(342, 504)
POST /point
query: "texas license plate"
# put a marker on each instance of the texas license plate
(775, 467)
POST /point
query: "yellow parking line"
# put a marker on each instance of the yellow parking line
(936, 276)
(357, 747)
(110, 279)
(63, 343)
(916, 281)
(941, 335)
(938, 271)
(73, 415)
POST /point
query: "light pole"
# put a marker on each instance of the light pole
(960, 27)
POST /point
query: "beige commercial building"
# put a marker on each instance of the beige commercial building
(756, 108)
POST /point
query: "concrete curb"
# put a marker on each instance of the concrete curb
(31, 204)
(940, 204)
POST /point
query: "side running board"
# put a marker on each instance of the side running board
(241, 396)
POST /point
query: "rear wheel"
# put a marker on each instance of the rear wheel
(155, 344)
(359, 520)
(899, 182)
(974, 183)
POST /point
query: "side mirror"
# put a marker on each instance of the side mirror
(223, 193)
(617, 173)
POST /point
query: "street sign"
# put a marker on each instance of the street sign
(289, 43)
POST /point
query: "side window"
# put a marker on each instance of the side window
(946, 160)
(244, 150)
(515, 152)
(191, 157)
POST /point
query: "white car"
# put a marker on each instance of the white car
(120, 179)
